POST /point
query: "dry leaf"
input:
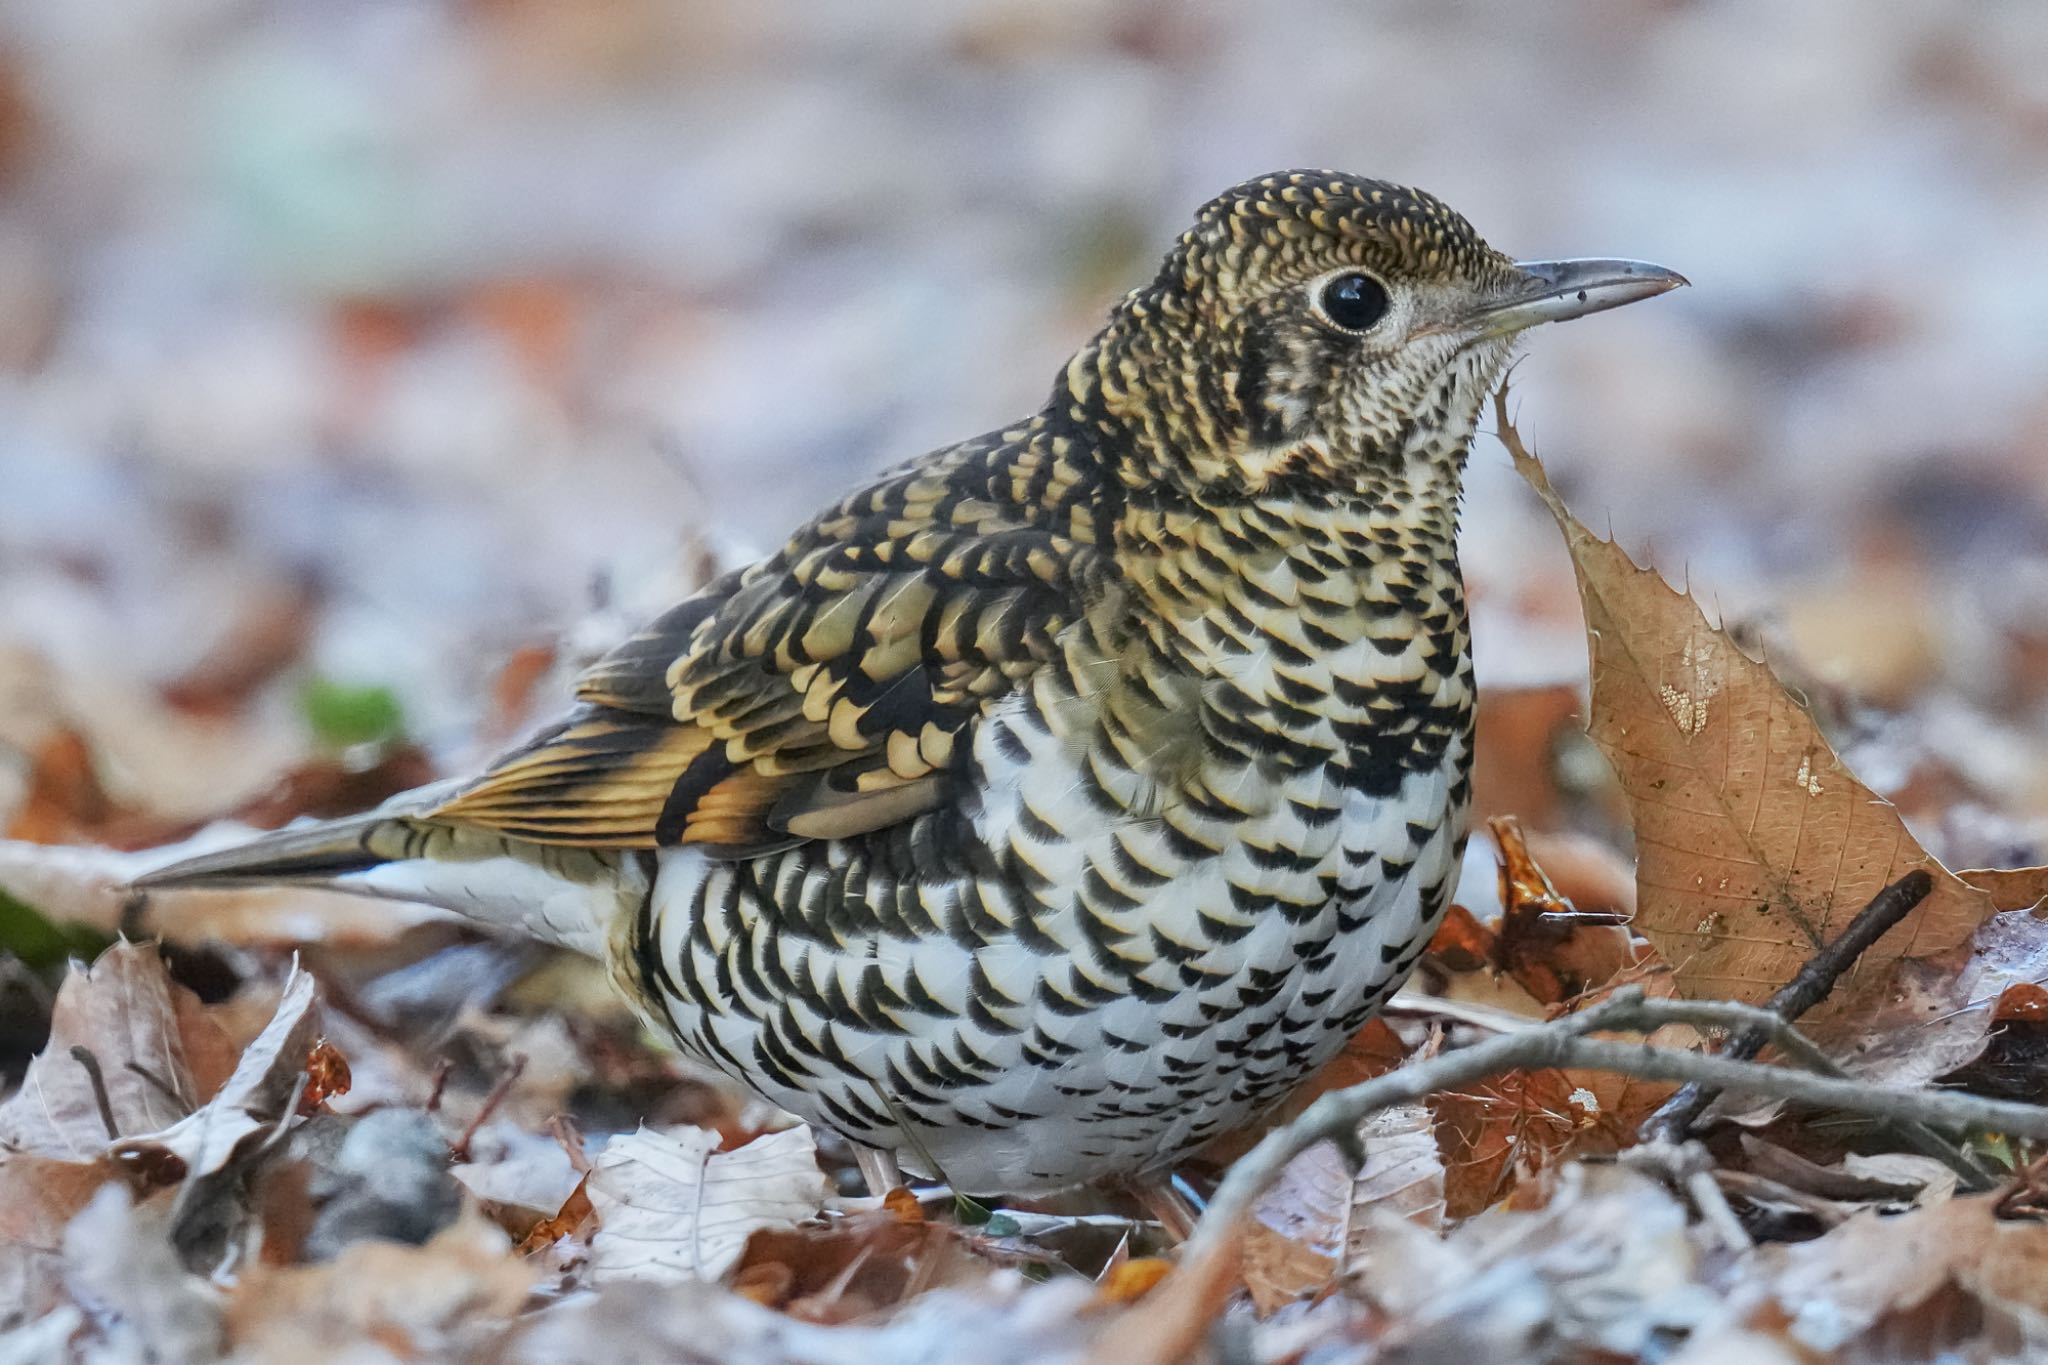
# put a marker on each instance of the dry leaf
(39, 1195)
(439, 1301)
(1313, 1224)
(1841, 1282)
(157, 1054)
(1608, 1267)
(252, 1101)
(1515, 767)
(2010, 888)
(853, 1267)
(1755, 845)
(328, 1076)
(1522, 1122)
(1933, 1018)
(1550, 953)
(671, 1206)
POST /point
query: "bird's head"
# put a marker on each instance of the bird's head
(1314, 326)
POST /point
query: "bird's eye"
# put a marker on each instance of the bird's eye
(1353, 301)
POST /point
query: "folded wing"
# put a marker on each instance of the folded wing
(829, 690)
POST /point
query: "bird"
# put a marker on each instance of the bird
(1058, 800)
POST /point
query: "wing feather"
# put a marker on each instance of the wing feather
(820, 693)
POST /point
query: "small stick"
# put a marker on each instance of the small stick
(459, 1152)
(1564, 1043)
(82, 1054)
(439, 1085)
(1674, 1119)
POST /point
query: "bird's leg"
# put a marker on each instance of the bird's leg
(877, 1167)
(1164, 1199)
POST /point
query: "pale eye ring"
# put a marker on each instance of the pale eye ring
(1352, 302)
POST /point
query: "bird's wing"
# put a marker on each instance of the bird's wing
(817, 694)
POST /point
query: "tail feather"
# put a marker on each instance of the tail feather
(569, 896)
(317, 853)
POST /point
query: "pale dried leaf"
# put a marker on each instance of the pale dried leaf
(1755, 845)
(1933, 1182)
(1403, 1172)
(146, 1033)
(253, 1098)
(1609, 1265)
(1316, 1221)
(1293, 1244)
(1838, 1284)
(1933, 1018)
(672, 1207)
(118, 1258)
(439, 1301)
(526, 1171)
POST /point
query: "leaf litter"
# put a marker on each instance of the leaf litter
(345, 1155)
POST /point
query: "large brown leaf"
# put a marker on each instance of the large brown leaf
(1755, 844)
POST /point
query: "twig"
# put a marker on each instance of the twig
(1797, 1047)
(1818, 977)
(458, 1152)
(439, 1085)
(1674, 1119)
(84, 1057)
(1564, 1043)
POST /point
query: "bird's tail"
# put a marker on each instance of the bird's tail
(570, 896)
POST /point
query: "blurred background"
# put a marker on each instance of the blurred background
(365, 366)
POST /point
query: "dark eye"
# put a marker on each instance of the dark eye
(1353, 302)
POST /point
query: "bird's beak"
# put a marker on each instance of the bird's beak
(1557, 291)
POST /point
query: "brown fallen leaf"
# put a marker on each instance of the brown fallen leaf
(1129, 1281)
(39, 1195)
(1755, 844)
(902, 1205)
(566, 1221)
(1842, 1282)
(2010, 888)
(440, 1301)
(1501, 1131)
(157, 1054)
(269, 634)
(854, 1267)
(327, 1076)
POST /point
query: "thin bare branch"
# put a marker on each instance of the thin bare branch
(1565, 1043)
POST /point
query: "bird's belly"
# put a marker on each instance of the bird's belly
(1081, 996)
